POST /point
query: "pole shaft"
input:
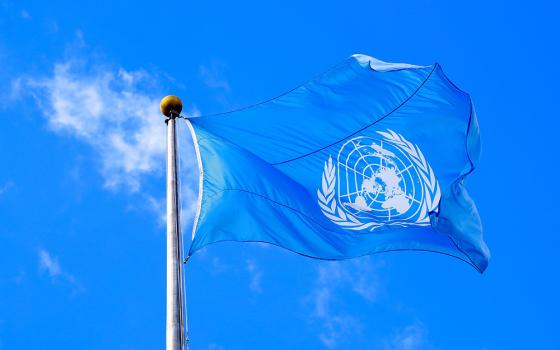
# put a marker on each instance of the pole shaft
(174, 316)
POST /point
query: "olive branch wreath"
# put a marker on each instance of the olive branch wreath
(331, 209)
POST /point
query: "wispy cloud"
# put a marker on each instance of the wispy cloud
(108, 109)
(412, 337)
(255, 274)
(6, 187)
(20, 276)
(212, 76)
(218, 266)
(188, 199)
(25, 15)
(157, 206)
(336, 325)
(357, 274)
(50, 265)
(116, 112)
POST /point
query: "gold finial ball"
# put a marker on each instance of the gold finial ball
(170, 103)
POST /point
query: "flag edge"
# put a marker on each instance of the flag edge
(200, 177)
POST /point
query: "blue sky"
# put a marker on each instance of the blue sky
(82, 145)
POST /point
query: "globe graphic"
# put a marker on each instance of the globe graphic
(378, 181)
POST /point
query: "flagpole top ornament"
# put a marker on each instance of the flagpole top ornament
(169, 105)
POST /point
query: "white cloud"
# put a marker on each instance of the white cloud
(107, 109)
(218, 266)
(357, 275)
(158, 207)
(49, 264)
(116, 112)
(188, 190)
(255, 274)
(335, 326)
(411, 337)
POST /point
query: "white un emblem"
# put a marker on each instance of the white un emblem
(378, 181)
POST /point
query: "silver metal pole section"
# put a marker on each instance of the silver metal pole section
(174, 320)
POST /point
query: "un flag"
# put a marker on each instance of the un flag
(368, 157)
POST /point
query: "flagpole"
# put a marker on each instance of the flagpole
(171, 107)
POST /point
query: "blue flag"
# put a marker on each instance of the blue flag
(369, 157)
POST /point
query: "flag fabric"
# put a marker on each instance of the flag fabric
(368, 157)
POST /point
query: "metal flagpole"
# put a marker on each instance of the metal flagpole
(171, 106)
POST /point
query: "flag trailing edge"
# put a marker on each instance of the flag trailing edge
(368, 157)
